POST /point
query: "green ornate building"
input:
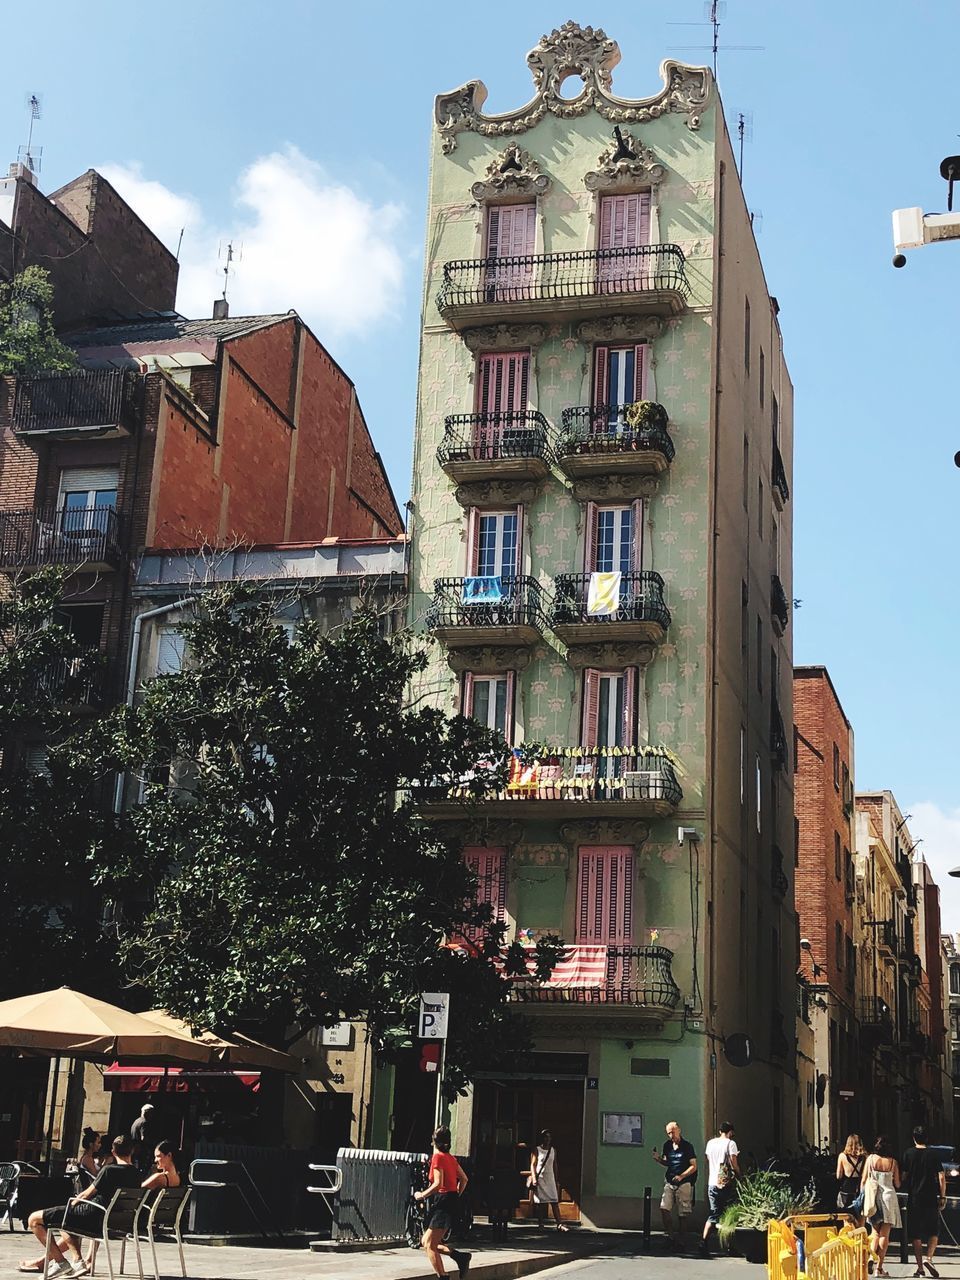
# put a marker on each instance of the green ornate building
(601, 549)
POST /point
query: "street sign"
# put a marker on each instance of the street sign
(846, 1093)
(433, 1015)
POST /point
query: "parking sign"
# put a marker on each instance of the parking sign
(433, 1015)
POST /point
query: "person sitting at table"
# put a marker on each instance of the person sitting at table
(81, 1214)
(167, 1176)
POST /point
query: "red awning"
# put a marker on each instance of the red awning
(118, 1079)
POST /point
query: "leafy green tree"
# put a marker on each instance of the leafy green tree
(290, 878)
(28, 343)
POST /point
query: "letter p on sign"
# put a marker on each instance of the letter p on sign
(433, 1015)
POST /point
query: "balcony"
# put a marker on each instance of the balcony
(87, 537)
(83, 402)
(778, 877)
(779, 748)
(496, 610)
(876, 1021)
(649, 279)
(73, 682)
(495, 446)
(593, 782)
(781, 490)
(779, 607)
(886, 937)
(629, 978)
(614, 439)
(637, 611)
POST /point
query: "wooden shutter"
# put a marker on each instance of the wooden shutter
(605, 895)
(508, 720)
(591, 707)
(466, 705)
(591, 519)
(641, 355)
(636, 512)
(601, 375)
(473, 540)
(490, 868)
(511, 230)
(518, 558)
(502, 382)
(493, 232)
(629, 706)
(625, 220)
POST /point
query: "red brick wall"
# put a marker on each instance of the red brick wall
(933, 962)
(818, 804)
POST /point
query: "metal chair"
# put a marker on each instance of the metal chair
(165, 1215)
(9, 1173)
(121, 1218)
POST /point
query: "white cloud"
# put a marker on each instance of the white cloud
(302, 240)
(940, 831)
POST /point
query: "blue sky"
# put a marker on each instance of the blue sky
(301, 129)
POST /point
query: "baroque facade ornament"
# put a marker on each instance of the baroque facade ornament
(605, 831)
(573, 50)
(624, 163)
(620, 329)
(489, 660)
(504, 337)
(614, 487)
(493, 493)
(609, 655)
(514, 172)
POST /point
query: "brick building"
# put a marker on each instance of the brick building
(825, 892)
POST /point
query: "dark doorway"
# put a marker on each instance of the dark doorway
(414, 1105)
(334, 1113)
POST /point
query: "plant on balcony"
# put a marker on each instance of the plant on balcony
(28, 343)
(295, 884)
(645, 415)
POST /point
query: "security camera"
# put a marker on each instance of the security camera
(899, 260)
(805, 944)
(688, 833)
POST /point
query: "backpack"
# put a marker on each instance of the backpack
(726, 1174)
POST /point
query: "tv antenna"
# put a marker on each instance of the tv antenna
(227, 255)
(26, 155)
(744, 134)
(714, 11)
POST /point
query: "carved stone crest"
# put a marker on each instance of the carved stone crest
(614, 487)
(489, 660)
(494, 493)
(504, 337)
(609, 654)
(605, 831)
(572, 50)
(624, 163)
(620, 329)
(514, 172)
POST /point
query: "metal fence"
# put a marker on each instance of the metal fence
(374, 1193)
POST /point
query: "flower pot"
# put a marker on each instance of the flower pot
(750, 1244)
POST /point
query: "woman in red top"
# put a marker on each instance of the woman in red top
(447, 1182)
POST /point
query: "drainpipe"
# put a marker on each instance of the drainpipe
(132, 673)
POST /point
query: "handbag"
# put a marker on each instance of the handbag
(855, 1206)
(726, 1174)
(869, 1194)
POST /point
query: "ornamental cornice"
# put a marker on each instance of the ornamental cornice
(504, 337)
(572, 50)
(614, 487)
(620, 329)
(489, 660)
(625, 163)
(513, 172)
(492, 493)
(604, 831)
(607, 654)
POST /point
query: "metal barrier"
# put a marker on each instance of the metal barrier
(328, 1192)
(781, 1251)
(222, 1185)
(373, 1193)
(842, 1258)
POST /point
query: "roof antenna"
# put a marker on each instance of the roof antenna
(713, 13)
(221, 307)
(27, 157)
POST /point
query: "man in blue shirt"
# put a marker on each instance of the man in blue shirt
(680, 1164)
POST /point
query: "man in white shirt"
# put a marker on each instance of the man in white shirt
(723, 1165)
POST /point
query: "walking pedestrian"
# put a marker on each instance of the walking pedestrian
(880, 1180)
(145, 1134)
(448, 1182)
(850, 1163)
(680, 1161)
(926, 1197)
(544, 1180)
(723, 1168)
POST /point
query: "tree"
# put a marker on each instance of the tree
(28, 343)
(49, 815)
(290, 878)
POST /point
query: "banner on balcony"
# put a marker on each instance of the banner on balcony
(603, 594)
(579, 966)
(523, 776)
(487, 590)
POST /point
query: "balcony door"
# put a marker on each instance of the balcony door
(605, 909)
(88, 501)
(502, 380)
(619, 379)
(624, 229)
(494, 543)
(510, 238)
(489, 699)
(614, 538)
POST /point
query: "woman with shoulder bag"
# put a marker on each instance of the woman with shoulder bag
(880, 1180)
(849, 1171)
(543, 1179)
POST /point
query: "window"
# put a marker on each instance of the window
(88, 501)
(955, 979)
(775, 544)
(609, 714)
(84, 622)
(761, 371)
(489, 699)
(624, 225)
(744, 602)
(490, 868)
(511, 237)
(759, 654)
(613, 538)
(502, 382)
(848, 873)
(836, 766)
(605, 895)
(746, 336)
(838, 943)
(171, 645)
(494, 543)
(746, 474)
(619, 378)
(851, 960)
(774, 672)
(837, 860)
(775, 419)
(759, 793)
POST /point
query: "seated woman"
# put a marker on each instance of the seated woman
(165, 1158)
(87, 1164)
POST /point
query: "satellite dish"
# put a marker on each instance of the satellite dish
(738, 1050)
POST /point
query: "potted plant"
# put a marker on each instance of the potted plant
(760, 1198)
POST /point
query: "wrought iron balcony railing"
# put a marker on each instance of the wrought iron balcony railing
(781, 490)
(640, 600)
(75, 682)
(875, 1014)
(641, 977)
(779, 747)
(598, 773)
(647, 269)
(100, 401)
(61, 535)
(886, 934)
(778, 603)
(493, 437)
(494, 602)
(603, 429)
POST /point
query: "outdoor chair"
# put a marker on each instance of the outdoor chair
(165, 1216)
(9, 1173)
(121, 1218)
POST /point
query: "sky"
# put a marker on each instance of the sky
(299, 131)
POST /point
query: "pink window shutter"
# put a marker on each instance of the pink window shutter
(493, 232)
(640, 357)
(607, 214)
(605, 895)
(636, 547)
(591, 706)
(625, 221)
(643, 228)
(508, 722)
(473, 540)
(467, 703)
(591, 518)
(502, 384)
(601, 375)
(490, 868)
(518, 560)
(630, 707)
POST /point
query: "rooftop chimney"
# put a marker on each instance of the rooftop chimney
(221, 309)
(20, 170)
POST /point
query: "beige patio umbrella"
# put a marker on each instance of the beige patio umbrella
(236, 1051)
(67, 1023)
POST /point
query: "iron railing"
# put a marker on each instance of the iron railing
(778, 877)
(638, 976)
(652, 268)
(518, 602)
(78, 400)
(60, 535)
(487, 437)
(602, 428)
(641, 600)
(75, 682)
(596, 773)
(779, 748)
(875, 1016)
(780, 474)
(778, 602)
(887, 935)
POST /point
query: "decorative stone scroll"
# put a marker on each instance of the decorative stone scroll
(499, 492)
(504, 337)
(572, 50)
(609, 655)
(604, 831)
(614, 487)
(514, 172)
(624, 163)
(489, 660)
(620, 329)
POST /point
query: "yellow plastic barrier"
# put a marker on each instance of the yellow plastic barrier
(818, 1228)
(844, 1257)
(781, 1251)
